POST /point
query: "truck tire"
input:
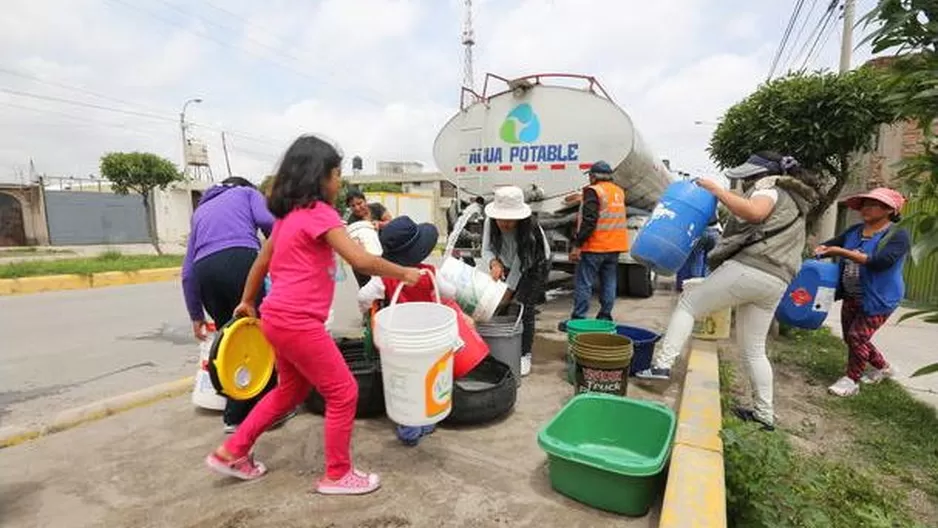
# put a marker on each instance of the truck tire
(639, 281)
(485, 394)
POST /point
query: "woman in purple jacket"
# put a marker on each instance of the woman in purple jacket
(222, 246)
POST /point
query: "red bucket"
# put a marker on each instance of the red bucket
(474, 349)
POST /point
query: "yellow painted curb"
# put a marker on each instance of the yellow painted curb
(48, 283)
(45, 283)
(696, 491)
(11, 436)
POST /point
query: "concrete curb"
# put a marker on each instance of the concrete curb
(696, 490)
(11, 436)
(49, 283)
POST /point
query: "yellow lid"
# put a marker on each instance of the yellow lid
(243, 359)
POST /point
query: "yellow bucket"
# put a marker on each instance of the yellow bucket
(715, 325)
(241, 361)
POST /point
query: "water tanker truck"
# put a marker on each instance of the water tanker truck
(540, 133)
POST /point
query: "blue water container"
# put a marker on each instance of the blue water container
(678, 221)
(810, 295)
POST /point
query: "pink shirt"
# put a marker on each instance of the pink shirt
(302, 268)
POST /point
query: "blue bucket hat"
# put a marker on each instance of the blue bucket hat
(756, 165)
(407, 243)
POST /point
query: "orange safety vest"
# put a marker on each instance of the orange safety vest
(611, 233)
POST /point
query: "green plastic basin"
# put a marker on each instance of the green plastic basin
(609, 451)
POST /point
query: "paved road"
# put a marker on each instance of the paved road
(908, 345)
(64, 349)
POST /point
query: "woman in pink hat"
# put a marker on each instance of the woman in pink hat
(871, 255)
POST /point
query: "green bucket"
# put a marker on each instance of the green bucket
(602, 363)
(584, 326)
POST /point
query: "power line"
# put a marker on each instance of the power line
(824, 25)
(796, 12)
(804, 24)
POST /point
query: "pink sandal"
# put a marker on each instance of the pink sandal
(244, 468)
(354, 482)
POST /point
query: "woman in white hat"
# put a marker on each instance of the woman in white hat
(515, 249)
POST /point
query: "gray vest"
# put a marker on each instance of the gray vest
(780, 255)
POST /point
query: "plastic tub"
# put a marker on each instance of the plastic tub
(609, 452)
(643, 346)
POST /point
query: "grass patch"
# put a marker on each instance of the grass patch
(107, 261)
(771, 484)
(896, 432)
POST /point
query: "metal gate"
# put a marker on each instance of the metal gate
(79, 217)
(921, 278)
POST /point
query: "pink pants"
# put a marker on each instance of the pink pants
(305, 359)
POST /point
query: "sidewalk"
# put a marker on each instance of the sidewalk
(909, 346)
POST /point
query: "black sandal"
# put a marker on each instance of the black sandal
(748, 415)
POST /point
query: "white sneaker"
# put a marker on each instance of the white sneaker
(525, 365)
(844, 387)
(874, 376)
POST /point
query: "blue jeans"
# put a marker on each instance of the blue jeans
(605, 266)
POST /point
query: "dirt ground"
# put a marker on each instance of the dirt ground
(144, 467)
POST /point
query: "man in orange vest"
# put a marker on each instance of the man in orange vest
(601, 236)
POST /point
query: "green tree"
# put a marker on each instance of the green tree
(909, 28)
(819, 118)
(141, 173)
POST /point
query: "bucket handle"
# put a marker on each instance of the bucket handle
(520, 314)
(400, 286)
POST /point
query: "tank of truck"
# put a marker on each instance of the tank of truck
(545, 131)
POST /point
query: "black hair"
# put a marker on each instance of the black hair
(237, 181)
(527, 234)
(306, 165)
(895, 217)
(352, 194)
(793, 169)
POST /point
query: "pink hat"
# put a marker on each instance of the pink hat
(888, 197)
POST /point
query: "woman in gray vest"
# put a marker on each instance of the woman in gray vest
(758, 256)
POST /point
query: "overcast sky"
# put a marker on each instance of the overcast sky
(380, 77)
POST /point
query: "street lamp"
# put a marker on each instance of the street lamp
(182, 128)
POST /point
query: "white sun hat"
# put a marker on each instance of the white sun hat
(508, 204)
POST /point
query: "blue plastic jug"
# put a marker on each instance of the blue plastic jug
(810, 295)
(678, 221)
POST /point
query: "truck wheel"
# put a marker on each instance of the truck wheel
(639, 281)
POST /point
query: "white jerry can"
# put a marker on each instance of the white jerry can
(203, 393)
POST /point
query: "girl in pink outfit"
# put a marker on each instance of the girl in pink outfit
(300, 257)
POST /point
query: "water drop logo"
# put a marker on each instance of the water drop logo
(521, 125)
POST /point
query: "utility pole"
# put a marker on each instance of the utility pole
(846, 44)
(224, 147)
(827, 227)
(182, 129)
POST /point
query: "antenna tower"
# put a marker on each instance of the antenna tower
(468, 41)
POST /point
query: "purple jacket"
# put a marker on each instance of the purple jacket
(226, 217)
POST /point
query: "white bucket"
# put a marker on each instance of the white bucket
(364, 232)
(475, 291)
(417, 341)
(715, 325)
(203, 392)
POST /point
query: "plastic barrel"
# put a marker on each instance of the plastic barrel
(643, 345)
(602, 363)
(580, 326)
(667, 238)
(364, 232)
(810, 295)
(417, 341)
(475, 291)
